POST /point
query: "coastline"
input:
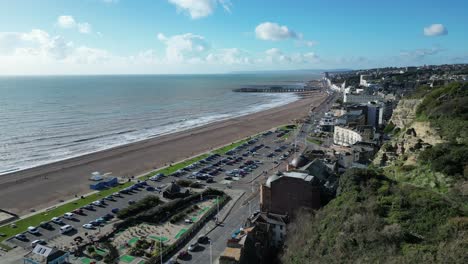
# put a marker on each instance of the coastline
(62, 180)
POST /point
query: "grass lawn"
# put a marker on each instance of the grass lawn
(158, 238)
(132, 241)
(127, 258)
(175, 167)
(315, 141)
(229, 147)
(181, 232)
(35, 220)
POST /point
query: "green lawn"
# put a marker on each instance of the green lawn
(175, 167)
(181, 232)
(35, 220)
(229, 147)
(315, 141)
(127, 258)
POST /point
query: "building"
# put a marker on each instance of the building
(348, 136)
(284, 193)
(274, 224)
(46, 255)
(327, 122)
(173, 191)
(104, 183)
(375, 114)
(360, 98)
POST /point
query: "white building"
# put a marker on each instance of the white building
(360, 98)
(347, 136)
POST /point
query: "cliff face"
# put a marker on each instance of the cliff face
(405, 112)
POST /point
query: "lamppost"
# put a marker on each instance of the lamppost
(211, 253)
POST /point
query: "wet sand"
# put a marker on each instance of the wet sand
(41, 187)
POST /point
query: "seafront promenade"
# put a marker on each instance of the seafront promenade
(52, 183)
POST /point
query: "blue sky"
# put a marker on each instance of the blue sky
(212, 36)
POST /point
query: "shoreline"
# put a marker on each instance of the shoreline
(62, 180)
(263, 107)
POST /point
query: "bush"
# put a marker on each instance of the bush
(184, 183)
(373, 220)
(448, 158)
(146, 203)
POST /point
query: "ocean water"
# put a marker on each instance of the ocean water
(46, 119)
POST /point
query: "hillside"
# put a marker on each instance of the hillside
(412, 205)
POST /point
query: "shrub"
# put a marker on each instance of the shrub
(146, 203)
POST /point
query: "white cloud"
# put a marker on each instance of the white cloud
(310, 43)
(68, 22)
(229, 56)
(185, 47)
(84, 28)
(435, 30)
(200, 8)
(275, 55)
(419, 54)
(36, 43)
(273, 31)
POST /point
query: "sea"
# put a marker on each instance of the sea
(51, 118)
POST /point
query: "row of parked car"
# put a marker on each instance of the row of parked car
(66, 228)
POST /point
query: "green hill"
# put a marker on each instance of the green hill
(401, 213)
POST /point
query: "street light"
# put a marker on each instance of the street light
(211, 253)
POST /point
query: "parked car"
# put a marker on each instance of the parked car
(108, 217)
(21, 237)
(68, 216)
(65, 229)
(150, 189)
(115, 210)
(193, 246)
(97, 203)
(188, 221)
(78, 211)
(57, 220)
(203, 239)
(45, 225)
(88, 207)
(38, 242)
(183, 254)
(131, 202)
(33, 230)
(95, 223)
(88, 226)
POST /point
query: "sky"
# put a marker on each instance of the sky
(51, 37)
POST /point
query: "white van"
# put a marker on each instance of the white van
(66, 228)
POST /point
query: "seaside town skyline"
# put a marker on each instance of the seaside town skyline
(219, 36)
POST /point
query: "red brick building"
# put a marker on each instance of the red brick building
(286, 192)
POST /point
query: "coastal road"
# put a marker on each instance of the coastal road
(221, 234)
